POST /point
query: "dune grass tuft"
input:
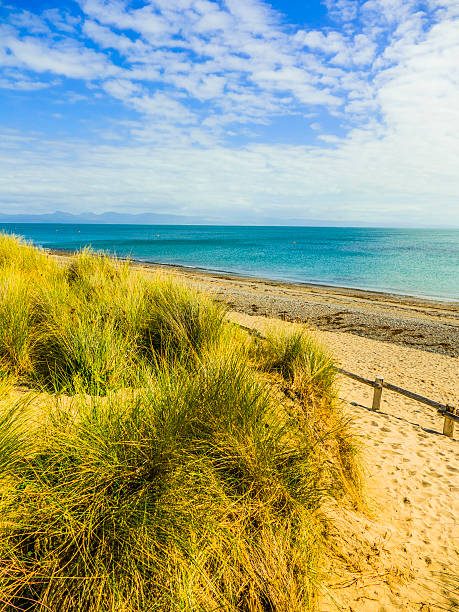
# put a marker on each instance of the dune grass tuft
(180, 320)
(16, 325)
(175, 475)
(82, 352)
(299, 359)
(22, 255)
(186, 495)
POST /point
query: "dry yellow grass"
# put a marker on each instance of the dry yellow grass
(161, 460)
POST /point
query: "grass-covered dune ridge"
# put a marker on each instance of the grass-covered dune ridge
(89, 325)
(161, 459)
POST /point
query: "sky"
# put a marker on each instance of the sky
(233, 111)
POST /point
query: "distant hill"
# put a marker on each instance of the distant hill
(165, 219)
(107, 217)
(255, 219)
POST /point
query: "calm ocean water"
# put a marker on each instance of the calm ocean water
(420, 262)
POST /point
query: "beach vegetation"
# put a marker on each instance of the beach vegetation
(16, 325)
(157, 462)
(298, 358)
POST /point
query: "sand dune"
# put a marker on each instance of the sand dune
(407, 548)
(412, 535)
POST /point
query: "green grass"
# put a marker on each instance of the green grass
(16, 325)
(175, 475)
(187, 495)
(180, 320)
(90, 325)
(299, 359)
(82, 353)
(22, 255)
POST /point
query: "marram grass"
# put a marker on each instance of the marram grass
(88, 326)
(299, 359)
(17, 253)
(16, 324)
(175, 475)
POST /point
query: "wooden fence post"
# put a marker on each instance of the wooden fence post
(377, 393)
(448, 424)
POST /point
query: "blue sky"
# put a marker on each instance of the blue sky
(236, 111)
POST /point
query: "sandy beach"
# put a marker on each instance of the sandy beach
(407, 321)
(412, 471)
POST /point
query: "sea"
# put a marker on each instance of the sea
(416, 262)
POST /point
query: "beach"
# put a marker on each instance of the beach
(429, 325)
(229, 306)
(412, 470)
(390, 541)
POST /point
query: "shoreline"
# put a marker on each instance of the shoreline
(227, 274)
(420, 323)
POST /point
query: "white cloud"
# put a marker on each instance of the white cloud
(213, 21)
(373, 175)
(61, 20)
(106, 38)
(346, 51)
(387, 11)
(22, 84)
(238, 44)
(122, 89)
(253, 16)
(235, 56)
(143, 20)
(65, 58)
(30, 22)
(163, 107)
(343, 10)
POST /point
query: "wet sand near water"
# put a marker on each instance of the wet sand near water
(419, 323)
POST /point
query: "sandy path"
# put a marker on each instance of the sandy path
(412, 471)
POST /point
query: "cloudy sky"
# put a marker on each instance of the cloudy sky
(237, 111)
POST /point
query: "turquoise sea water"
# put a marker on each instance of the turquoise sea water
(419, 262)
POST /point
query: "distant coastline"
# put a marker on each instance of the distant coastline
(114, 218)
